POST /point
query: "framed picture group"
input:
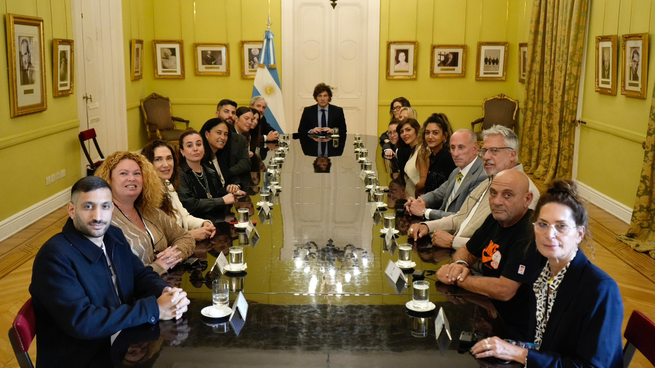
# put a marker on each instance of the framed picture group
(634, 72)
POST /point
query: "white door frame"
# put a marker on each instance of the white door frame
(114, 79)
(372, 63)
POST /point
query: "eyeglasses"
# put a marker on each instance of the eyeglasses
(494, 151)
(397, 108)
(561, 229)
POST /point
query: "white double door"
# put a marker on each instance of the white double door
(339, 47)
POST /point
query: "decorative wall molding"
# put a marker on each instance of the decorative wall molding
(133, 105)
(28, 216)
(614, 130)
(213, 102)
(613, 207)
(437, 103)
(34, 134)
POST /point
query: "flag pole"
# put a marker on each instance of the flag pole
(269, 15)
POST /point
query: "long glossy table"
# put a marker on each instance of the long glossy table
(315, 284)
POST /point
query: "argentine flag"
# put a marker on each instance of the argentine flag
(267, 85)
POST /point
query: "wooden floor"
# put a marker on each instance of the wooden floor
(634, 272)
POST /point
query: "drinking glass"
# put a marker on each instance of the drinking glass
(242, 215)
(421, 295)
(405, 252)
(236, 256)
(389, 221)
(220, 292)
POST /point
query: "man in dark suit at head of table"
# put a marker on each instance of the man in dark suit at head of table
(87, 285)
(322, 118)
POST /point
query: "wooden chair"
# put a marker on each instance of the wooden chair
(497, 110)
(640, 333)
(159, 120)
(21, 334)
(84, 136)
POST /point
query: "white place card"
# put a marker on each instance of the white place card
(441, 323)
(221, 261)
(266, 208)
(389, 239)
(241, 305)
(362, 174)
(374, 207)
(395, 276)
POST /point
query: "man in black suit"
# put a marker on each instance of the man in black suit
(322, 118)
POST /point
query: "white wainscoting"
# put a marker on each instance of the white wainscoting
(623, 212)
(30, 215)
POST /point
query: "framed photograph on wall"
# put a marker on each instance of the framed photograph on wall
(211, 59)
(401, 60)
(168, 58)
(606, 64)
(250, 58)
(448, 61)
(63, 67)
(523, 62)
(136, 60)
(634, 73)
(491, 63)
(26, 54)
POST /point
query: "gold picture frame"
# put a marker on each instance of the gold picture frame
(606, 51)
(168, 56)
(63, 67)
(401, 59)
(634, 73)
(26, 51)
(523, 62)
(448, 61)
(250, 58)
(211, 59)
(491, 63)
(136, 59)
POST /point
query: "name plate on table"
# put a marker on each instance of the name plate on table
(395, 277)
(389, 238)
(239, 313)
(250, 228)
(441, 323)
(265, 208)
(221, 262)
(362, 174)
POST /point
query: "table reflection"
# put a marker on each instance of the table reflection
(315, 282)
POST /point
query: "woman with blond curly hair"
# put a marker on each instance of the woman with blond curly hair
(137, 194)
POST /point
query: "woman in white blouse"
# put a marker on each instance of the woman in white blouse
(165, 162)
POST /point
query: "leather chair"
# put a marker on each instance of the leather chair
(21, 334)
(640, 335)
(497, 110)
(84, 136)
(159, 120)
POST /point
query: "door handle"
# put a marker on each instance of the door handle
(88, 98)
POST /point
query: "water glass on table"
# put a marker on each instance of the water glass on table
(220, 292)
(421, 295)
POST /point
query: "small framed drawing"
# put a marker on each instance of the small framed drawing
(250, 58)
(492, 61)
(63, 67)
(136, 60)
(634, 73)
(211, 59)
(401, 60)
(448, 61)
(26, 54)
(523, 61)
(169, 59)
(606, 64)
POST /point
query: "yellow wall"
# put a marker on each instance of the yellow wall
(610, 144)
(212, 21)
(432, 22)
(35, 146)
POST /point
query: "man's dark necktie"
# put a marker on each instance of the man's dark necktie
(323, 119)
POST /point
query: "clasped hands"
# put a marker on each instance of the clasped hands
(319, 130)
(169, 257)
(452, 273)
(415, 206)
(172, 303)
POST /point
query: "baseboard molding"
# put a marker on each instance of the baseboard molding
(23, 219)
(621, 211)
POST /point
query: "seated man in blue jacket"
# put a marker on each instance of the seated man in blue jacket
(87, 285)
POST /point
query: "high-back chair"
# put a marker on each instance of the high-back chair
(497, 110)
(640, 333)
(159, 120)
(84, 136)
(21, 334)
